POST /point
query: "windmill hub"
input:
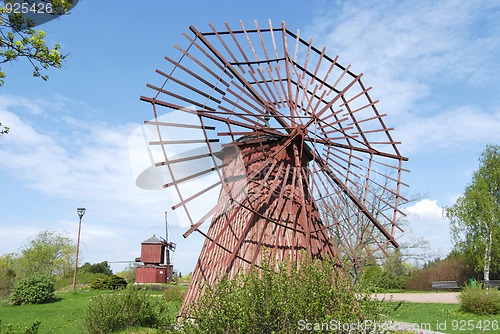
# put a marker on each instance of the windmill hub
(299, 131)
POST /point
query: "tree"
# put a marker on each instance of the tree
(97, 268)
(19, 39)
(3, 129)
(475, 217)
(48, 253)
(129, 273)
(358, 238)
(7, 273)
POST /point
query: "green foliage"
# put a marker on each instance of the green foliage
(113, 282)
(82, 279)
(128, 273)
(3, 129)
(7, 274)
(37, 289)
(174, 293)
(48, 253)
(393, 275)
(185, 278)
(480, 301)
(371, 278)
(396, 272)
(133, 307)
(265, 301)
(450, 269)
(21, 40)
(10, 328)
(96, 268)
(475, 217)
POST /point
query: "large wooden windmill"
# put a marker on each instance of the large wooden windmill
(288, 145)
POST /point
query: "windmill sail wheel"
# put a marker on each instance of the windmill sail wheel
(290, 152)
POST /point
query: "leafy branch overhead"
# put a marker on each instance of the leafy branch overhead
(19, 39)
(3, 129)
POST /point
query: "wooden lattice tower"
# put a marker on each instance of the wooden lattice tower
(290, 143)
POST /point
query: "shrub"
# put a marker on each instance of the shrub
(129, 273)
(375, 278)
(130, 308)
(109, 283)
(390, 280)
(36, 289)
(479, 301)
(185, 278)
(26, 329)
(174, 293)
(7, 274)
(371, 278)
(97, 268)
(451, 269)
(264, 301)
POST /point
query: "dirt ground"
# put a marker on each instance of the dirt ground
(430, 297)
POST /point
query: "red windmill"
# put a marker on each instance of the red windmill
(298, 155)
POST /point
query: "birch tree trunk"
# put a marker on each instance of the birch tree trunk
(487, 257)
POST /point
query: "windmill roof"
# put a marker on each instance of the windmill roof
(152, 240)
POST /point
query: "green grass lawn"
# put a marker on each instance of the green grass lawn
(66, 315)
(62, 316)
(445, 318)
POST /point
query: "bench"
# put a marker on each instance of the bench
(491, 283)
(445, 285)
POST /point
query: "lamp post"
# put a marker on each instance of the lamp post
(81, 212)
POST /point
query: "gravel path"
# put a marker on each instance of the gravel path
(431, 297)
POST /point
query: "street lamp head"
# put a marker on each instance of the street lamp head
(81, 212)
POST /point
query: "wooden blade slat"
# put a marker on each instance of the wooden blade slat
(360, 108)
(179, 125)
(179, 160)
(194, 75)
(192, 176)
(363, 92)
(179, 97)
(215, 62)
(228, 50)
(208, 70)
(181, 142)
(183, 83)
(198, 194)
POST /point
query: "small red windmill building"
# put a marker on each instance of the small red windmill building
(155, 257)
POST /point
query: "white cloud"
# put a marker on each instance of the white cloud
(424, 59)
(94, 166)
(425, 210)
(14, 236)
(464, 126)
(84, 164)
(427, 221)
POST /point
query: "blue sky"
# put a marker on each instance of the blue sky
(434, 67)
